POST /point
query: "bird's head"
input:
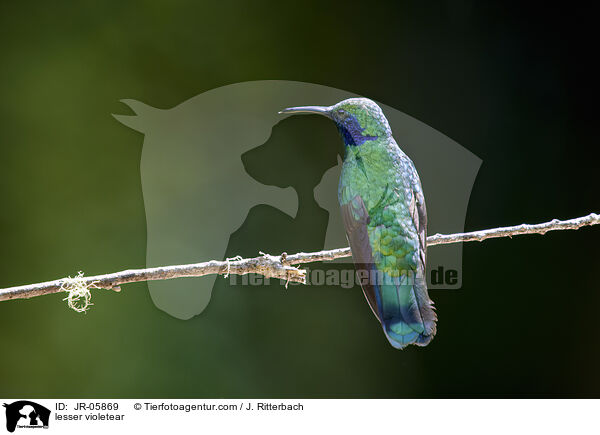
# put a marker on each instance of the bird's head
(357, 119)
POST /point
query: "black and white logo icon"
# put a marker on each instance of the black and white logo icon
(26, 414)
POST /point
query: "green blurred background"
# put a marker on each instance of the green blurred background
(517, 87)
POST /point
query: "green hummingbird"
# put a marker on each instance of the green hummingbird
(383, 210)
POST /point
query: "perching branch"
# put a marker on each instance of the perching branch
(270, 266)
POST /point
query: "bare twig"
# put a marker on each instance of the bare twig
(269, 265)
(517, 230)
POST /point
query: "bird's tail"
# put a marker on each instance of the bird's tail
(405, 310)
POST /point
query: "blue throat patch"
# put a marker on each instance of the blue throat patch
(351, 132)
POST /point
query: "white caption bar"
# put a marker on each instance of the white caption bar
(266, 416)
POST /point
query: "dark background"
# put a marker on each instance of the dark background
(515, 85)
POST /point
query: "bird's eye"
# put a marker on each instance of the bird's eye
(341, 112)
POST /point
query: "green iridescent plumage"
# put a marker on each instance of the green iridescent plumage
(384, 214)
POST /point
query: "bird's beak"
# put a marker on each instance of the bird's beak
(319, 110)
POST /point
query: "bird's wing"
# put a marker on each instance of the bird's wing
(356, 219)
(418, 214)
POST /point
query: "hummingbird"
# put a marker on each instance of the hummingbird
(383, 210)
